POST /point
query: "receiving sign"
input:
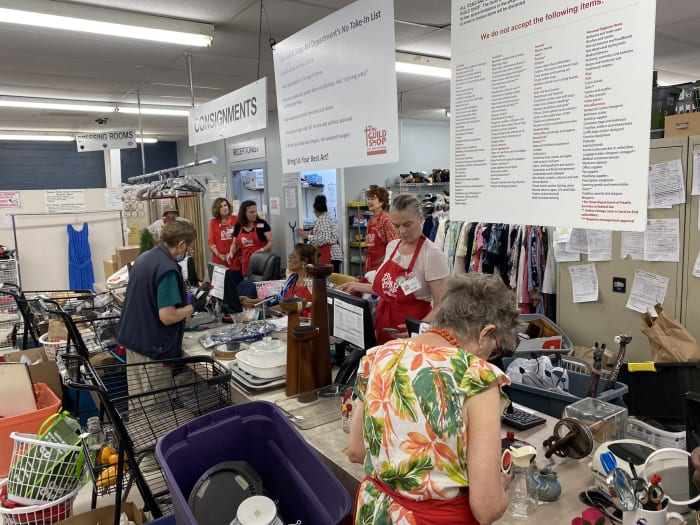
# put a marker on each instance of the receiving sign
(236, 113)
(117, 139)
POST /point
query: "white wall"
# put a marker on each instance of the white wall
(42, 240)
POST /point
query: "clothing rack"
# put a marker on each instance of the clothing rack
(167, 171)
(49, 214)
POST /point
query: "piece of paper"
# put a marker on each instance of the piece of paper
(584, 283)
(561, 255)
(696, 173)
(696, 266)
(562, 235)
(217, 281)
(662, 240)
(348, 323)
(113, 199)
(666, 184)
(290, 198)
(599, 245)
(632, 245)
(648, 289)
(274, 206)
(578, 242)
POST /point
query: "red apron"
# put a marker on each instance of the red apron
(324, 252)
(301, 291)
(394, 305)
(249, 243)
(431, 511)
(375, 253)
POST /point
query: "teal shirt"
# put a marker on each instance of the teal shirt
(168, 291)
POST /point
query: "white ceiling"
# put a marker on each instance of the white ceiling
(61, 64)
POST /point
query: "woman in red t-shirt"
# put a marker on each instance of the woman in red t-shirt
(380, 230)
(221, 235)
(252, 234)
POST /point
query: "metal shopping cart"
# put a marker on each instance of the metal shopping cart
(143, 402)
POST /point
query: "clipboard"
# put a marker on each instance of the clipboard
(16, 390)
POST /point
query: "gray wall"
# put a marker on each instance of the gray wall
(424, 145)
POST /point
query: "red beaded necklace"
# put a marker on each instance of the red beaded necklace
(447, 336)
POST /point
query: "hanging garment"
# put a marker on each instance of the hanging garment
(80, 273)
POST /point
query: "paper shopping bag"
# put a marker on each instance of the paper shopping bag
(669, 340)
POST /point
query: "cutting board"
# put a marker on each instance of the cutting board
(16, 390)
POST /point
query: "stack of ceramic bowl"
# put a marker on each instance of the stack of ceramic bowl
(264, 359)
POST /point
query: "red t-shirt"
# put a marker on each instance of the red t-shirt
(221, 236)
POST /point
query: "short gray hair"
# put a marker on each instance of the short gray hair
(406, 201)
(471, 301)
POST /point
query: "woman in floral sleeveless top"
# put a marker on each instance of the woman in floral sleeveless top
(429, 431)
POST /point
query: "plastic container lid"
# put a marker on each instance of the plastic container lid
(267, 353)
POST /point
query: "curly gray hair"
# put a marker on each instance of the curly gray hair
(471, 301)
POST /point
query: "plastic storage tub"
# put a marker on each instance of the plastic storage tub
(552, 402)
(28, 423)
(259, 433)
(660, 394)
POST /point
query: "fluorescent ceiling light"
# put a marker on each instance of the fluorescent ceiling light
(147, 140)
(61, 106)
(130, 110)
(102, 21)
(46, 138)
(422, 65)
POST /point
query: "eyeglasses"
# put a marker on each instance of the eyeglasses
(292, 257)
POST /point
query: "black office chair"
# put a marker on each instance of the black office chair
(264, 266)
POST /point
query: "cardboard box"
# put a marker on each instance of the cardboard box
(126, 254)
(43, 370)
(110, 266)
(682, 125)
(105, 515)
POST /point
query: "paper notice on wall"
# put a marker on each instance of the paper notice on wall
(7, 220)
(275, 206)
(10, 199)
(578, 241)
(648, 289)
(696, 173)
(562, 235)
(632, 245)
(696, 266)
(217, 188)
(562, 255)
(543, 117)
(290, 198)
(217, 281)
(584, 283)
(666, 184)
(64, 201)
(599, 245)
(662, 240)
(290, 180)
(113, 199)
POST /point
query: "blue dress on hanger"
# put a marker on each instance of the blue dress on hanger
(80, 273)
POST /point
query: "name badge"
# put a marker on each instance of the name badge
(410, 286)
(260, 225)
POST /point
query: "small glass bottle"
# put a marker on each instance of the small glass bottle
(94, 438)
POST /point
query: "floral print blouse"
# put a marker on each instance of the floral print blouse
(414, 432)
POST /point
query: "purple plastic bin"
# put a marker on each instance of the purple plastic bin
(259, 433)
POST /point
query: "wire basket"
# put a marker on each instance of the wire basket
(48, 513)
(42, 471)
(52, 347)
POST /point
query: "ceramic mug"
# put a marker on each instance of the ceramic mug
(649, 517)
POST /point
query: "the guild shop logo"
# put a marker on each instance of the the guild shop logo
(375, 140)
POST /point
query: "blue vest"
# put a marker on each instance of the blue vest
(140, 328)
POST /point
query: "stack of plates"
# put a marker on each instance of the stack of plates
(249, 381)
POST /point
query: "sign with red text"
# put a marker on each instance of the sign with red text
(550, 112)
(336, 90)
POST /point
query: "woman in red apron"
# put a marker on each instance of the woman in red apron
(324, 234)
(410, 281)
(251, 234)
(380, 231)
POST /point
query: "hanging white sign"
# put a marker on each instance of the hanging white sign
(236, 113)
(102, 140)
(62, 201)
(336, 90)
(251, 149)
(544, 122)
